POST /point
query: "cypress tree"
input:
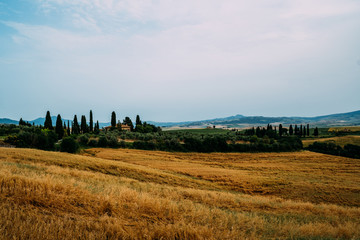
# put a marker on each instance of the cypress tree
(258, 131)
(91, 121)
(97, 127)
(316, 132)
(48, 122)
(84, 126)
(280, 130)
(68, 128)
(291, 130)
(59, 130)
(138, 127)
(307, 130)
(296, 130)
(113, 119)
(300, 131)
(75, 127)
(138, 121)
(304, 131)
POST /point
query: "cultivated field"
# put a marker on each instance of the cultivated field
(341, 141)
(133, 194)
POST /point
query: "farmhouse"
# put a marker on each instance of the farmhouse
(124, 127)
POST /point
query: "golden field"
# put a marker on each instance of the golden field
(341, 141)
(134, 194)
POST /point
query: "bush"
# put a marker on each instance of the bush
(93, 143)
(103, 142)
(113, 142)
(83, 139)
(69, 145)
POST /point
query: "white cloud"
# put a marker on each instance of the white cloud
(186, 48)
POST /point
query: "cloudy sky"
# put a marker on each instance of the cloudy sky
(182, 60)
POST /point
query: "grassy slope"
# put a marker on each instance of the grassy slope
(112, 194)
(342, 141)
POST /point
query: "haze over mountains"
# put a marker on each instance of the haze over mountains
(240, 121)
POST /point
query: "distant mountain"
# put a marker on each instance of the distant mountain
(41, 121)
(8, 121)
(238, 121)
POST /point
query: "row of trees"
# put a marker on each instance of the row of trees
(349, 150)
(272, 132)
(61, 128)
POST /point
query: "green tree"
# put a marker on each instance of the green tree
(307, 130)
(75, 126)
(69, 145)
(304, 131)
(128, 122)
(21, 122)
(91, 121)
(291, 130)
(59, 129)
(83, 126)
(97, 127)
(280, 129)
(68, 128)
(316, 132)
(48, 122)
(113, 119)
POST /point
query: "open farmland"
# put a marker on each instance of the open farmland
(341, 141)
(133, 194)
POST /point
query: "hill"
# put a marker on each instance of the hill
(240, 121)
(132, 194)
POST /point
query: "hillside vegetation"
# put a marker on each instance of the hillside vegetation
(134, 194)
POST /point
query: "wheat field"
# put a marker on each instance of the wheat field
(134, 194)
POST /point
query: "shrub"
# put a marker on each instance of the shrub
(93, 143)
(103, 142)
(113, 142)
(69, 145)
(83, 139)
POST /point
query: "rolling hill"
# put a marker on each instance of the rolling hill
(241, 121)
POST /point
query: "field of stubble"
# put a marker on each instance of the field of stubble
(134, 194)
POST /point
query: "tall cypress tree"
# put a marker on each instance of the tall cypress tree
(113, 119)
(138, 127)
(59, 130)
(291, 130)
(97, 127)
(91, 121)
(300, 133)
(280, 130)
(296, 130)
(138, 121)
(307, 130)
(304, 131)
(48, 122)
(316, 132)
(68, 128)
(75, 128)
(84, 126)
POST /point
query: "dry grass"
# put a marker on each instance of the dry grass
(131, 194)
(347, 129)
(341, 141)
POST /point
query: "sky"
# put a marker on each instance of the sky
(185, 60)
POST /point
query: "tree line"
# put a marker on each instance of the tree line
(272, 132)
